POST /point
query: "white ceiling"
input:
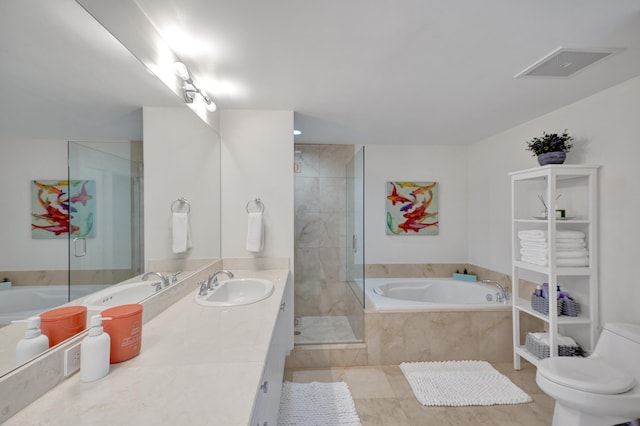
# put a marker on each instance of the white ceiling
(356, 71)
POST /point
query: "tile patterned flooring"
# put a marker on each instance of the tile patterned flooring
(383, 397)
(324, 329)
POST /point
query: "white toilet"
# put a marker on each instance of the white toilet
(600, 390)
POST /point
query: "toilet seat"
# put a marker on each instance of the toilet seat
(586, 374)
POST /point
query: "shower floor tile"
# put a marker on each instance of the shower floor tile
(325, 329)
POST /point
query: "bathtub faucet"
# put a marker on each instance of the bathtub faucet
(213, 279)
(163, 278)
(503, 296)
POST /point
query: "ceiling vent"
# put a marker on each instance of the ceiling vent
(565, 62)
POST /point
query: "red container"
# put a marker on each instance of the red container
(61, 323)
(125, 330)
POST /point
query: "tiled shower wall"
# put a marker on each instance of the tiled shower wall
(320, 230)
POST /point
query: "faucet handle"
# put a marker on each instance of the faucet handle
(174, 277)
(157, 285)
(204, 287)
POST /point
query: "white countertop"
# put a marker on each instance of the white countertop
(198, 366)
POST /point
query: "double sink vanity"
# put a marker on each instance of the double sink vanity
(213, 352)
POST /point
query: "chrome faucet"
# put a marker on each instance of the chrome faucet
(503, 296)
(163, 278)
(213, 279)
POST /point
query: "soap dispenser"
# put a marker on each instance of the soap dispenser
(94, 352)
(33, 343)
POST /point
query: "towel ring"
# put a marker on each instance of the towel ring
(259, 204)
(180, 201)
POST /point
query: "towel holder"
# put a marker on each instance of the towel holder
(259, 204)
(181, 201)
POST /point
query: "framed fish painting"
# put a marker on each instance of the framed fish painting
(60, 205)
(412, 208)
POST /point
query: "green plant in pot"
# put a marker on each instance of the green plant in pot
(551, 148)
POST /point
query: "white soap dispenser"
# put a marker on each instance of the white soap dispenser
(94, 352)
(33, 343)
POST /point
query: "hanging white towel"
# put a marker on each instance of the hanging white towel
(255, 232)
(181, 234)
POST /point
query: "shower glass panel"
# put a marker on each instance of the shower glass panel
(355, 225)
(106, 245)
(327, 308)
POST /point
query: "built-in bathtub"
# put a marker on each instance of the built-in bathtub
(400, 294)
(435, 319)
(23, 301)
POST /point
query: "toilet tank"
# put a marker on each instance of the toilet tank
(619, 344)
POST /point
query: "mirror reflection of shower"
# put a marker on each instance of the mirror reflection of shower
(327, 308)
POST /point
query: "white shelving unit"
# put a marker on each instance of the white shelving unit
(577, 188)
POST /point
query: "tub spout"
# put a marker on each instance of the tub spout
(503, 296)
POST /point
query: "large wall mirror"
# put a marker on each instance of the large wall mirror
(71, 111)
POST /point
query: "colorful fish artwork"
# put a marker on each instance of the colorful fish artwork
(59, 207)
(412, 208)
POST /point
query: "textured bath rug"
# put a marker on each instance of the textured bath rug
(461, 383)
(317, 404)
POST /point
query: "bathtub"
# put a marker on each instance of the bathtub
(430, 294)
(435, 319)
(21, 302)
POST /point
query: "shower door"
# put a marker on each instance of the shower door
(105, 209)
(355, 236)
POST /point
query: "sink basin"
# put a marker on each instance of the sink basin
(237, 291)
(120, 294)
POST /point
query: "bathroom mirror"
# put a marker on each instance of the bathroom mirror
(63, 78)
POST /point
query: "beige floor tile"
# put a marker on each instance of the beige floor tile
(367, 382)
(381, 412)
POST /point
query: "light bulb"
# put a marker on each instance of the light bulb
(181, 71)
(297, 132)
(211, 106)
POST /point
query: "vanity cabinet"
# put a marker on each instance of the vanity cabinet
(266, 408)
(574, 189)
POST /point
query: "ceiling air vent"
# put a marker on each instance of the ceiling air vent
(565, 62)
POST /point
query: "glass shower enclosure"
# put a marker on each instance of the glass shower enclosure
(106, 238)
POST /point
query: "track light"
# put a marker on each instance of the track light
(190, 90)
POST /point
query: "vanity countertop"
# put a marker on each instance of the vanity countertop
(198, 366)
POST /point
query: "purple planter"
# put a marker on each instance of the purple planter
(556, 157)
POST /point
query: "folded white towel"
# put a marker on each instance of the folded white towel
(534, 244)
(576, 244)
(528, 251)
(532, 234)
(560, 339)
(255, 232)
(581, 261)
(569, 234)
(571, 254)
(180, 232)
(536, 260)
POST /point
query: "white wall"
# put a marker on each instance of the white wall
(606, 127)
(446, 165)
(182, 159)
(257, 161)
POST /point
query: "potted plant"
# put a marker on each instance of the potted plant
(550, 148)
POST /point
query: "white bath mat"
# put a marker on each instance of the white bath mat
(461, 383)
(317, 404)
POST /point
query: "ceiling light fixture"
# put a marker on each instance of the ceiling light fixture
(190, 89)
(297, 132)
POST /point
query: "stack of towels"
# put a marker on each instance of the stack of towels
(571, 248)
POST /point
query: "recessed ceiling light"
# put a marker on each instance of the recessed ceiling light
(297, 132)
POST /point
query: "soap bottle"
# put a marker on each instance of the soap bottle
(33, 343)
(94, 351)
